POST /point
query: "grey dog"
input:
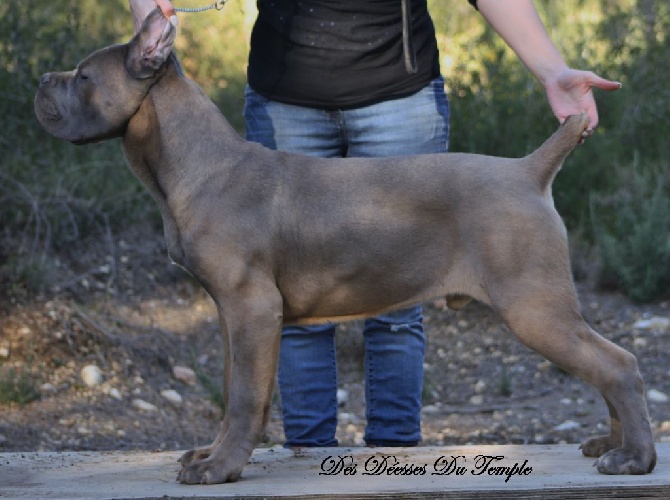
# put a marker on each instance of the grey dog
(279, 238)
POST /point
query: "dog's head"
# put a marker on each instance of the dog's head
(97, 99)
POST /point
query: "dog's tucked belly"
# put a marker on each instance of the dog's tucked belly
(319, 297)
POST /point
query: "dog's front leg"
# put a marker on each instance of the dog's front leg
(253, 319)
(205, 451)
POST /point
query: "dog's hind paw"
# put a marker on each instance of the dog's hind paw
(626, 461)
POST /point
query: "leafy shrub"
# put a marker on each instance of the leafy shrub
(632, 230)
(52, 193)
(17, 385)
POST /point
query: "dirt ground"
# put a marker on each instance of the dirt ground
(119, 305)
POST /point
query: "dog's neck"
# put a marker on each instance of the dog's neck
(158, 138)
(156, 143)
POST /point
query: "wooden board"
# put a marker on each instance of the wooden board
(469, 472)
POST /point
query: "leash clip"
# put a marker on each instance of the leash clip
(218, 5)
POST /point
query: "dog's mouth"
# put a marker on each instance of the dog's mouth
(47, 108)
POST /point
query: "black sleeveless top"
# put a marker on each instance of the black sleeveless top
(339, 53)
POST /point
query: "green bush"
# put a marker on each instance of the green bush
(17, 385)
(51, 192)
(632, 229)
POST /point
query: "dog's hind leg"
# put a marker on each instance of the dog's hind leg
(547, 320)
(253, 317)
(599, 445)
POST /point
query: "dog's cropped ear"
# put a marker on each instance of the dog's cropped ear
(151, 46)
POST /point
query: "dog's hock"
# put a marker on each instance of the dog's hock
(151, 46)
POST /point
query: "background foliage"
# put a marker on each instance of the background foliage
(613, 192)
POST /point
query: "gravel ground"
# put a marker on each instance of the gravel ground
(119, 307)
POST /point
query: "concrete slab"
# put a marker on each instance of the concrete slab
(534, 471)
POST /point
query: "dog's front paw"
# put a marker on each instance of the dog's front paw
(195, 455)
(626, 461)
(207, 471)
(599, 445)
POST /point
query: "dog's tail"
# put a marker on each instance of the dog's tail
(545, 162)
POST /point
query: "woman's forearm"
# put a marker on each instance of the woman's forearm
(519, 24)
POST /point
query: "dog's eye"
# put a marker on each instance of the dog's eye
(82, 75)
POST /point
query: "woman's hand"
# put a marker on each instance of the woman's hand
(141, 9)
(568, 90)
(569, 93)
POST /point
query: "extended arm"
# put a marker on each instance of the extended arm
(568, 90)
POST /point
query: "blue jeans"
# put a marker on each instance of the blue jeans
(394, 342)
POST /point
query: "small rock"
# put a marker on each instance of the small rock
(568, 425)
(342, 396)
(477, 400)
(184, 374)
(91, 375)
(639, 342)
(140, 404)
(48, 388)
(430, 410)
(351, 429)
(4, 352)
(657, 396)
(172, 396)
(566, 401)
(654, 323)
(115, 393)
(348, 418)
(480, 387)
(3, 439)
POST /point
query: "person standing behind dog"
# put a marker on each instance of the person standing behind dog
(351, 78)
